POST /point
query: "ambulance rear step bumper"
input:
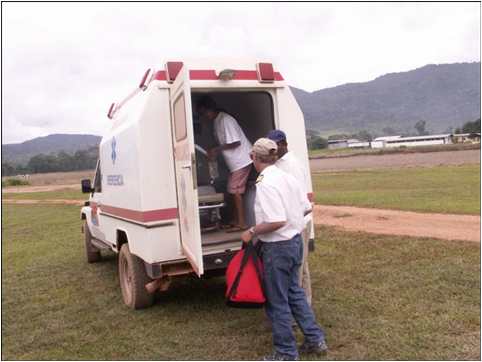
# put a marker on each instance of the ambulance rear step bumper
(213, 263)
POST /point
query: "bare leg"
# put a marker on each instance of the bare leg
(238, 204)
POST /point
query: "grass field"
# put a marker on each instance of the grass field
(378, 297)
(441, 189)
(344, 152)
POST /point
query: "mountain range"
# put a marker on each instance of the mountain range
(445, 96)
(20, 153)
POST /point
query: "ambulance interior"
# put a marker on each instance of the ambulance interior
(255, 114)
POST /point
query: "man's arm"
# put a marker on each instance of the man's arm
(263, 228)
(213, 152)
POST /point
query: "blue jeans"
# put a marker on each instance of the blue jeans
(285, 299)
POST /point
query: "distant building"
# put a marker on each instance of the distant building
(353, 143)
(332, 144)
(399, 141)
(347, 143)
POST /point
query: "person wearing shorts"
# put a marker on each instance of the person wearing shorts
(235, 148)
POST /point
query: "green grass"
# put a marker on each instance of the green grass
(378, 297)
(66, 194)
(441, 189)
(345, 152)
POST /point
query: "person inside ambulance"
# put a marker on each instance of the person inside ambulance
(280, 207)
(235, 147)
(288, 162)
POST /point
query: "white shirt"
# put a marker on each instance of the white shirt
(227, 130)
(291, 165)
(280, 198)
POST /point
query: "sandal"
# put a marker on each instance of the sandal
(226, 226)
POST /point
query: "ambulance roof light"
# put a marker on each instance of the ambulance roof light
(172, 70)
(144, 82)
(110, 114)
(265, 72)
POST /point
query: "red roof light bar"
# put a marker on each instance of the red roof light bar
(144, 82)
(210, 74)
(172, 70)
(110, 114)
(265, 72)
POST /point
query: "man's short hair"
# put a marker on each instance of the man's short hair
(206, 102)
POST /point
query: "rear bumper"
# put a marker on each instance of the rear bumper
(212, 262)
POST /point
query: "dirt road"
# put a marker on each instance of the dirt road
(395, 160)
(377, 221)
(392, 222)
(43, 202)
(46, 188)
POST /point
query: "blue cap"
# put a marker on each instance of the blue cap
(276, 135)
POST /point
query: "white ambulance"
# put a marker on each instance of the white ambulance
(153, 199)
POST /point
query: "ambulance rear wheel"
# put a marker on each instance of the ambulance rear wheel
(91, 252)
(133, 279)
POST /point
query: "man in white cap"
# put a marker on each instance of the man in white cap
(288, 162)
(280, 207)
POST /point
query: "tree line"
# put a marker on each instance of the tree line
(60, 162)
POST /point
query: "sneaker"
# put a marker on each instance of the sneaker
(316, 348)
(280, 357)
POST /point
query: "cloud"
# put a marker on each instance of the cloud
(63, 64)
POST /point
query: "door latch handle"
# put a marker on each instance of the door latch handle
(187, 166)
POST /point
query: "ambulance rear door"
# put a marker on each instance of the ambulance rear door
(185, 165)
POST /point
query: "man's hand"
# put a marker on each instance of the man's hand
(246, 236)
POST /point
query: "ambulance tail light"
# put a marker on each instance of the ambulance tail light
(265, 72)
(144, 81)
(110, 114)
(172, 70)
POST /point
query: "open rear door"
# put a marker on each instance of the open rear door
(185, 164)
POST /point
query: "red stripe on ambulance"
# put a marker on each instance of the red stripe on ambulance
(141, 216)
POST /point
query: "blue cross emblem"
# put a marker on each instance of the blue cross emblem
(113, 154)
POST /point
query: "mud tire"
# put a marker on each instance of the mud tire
(91, 252)
(133, 279)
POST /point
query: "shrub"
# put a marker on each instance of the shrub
(15, 182)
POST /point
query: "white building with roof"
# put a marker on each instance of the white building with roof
(413, 141)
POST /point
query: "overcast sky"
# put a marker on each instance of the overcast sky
(63, 64)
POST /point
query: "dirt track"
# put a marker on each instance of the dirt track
(395, 160)
(392, 222)
(378, 221)
(46, 188)
(43, 202)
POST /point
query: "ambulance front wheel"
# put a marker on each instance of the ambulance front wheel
(133, 280)
(91, 252)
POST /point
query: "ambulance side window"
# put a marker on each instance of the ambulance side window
(98, 179)
(180, 118)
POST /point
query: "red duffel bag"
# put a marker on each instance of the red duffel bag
(244, 279)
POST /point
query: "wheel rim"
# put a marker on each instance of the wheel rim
(126, 280)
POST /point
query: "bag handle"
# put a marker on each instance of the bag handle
(244, 261)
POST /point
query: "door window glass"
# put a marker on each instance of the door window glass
(180, 118)
(98, 179)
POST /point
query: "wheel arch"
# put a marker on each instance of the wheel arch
(121, 238)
